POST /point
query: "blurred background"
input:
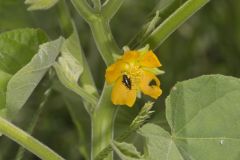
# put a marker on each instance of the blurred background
(208, 43)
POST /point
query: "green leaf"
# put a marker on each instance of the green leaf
(11, 20)
(4, 78)
(40, 4)
(17, 47)
(203, 114)
(69, 65)
(62, 75)
(157, 37)
(22, 84)
(160, 144)
(74, 103)
(72, 49)
(69, 68)
(73, 45)
(126, 151)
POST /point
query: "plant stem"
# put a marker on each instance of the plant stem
(97, 4)
(165, 29)
(34, 121)
(84, 9)
(63, 18)
(104, 40)
(103, 123)
(104, 115)
(111, 7)
(27, 141)
(138, 121)
(101, 30)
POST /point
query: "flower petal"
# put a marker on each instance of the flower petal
(114, 71)
(150, 60)
(121, 95)
(130, 56)
(150, 85)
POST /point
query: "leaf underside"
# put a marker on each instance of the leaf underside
(22, 84)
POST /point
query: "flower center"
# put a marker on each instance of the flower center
(132, 74)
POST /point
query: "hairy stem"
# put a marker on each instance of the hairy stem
(104, 115)
(104, 40)
(27, 141)
(100, 28)
(103, 123)
(84, 9)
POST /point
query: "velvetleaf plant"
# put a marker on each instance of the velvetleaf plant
(198, 111)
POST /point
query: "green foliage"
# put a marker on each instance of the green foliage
(203, 115)
(126, 151)
(40, 4)
(24, 41)
(102, 125)
(159, 144)
(143, 115)
(4, 78)
(21, 41)
(71, 67)
(31, 144)
(200, 112)
(12, 20)
(163, 5)
(173, 22)
(73, 46)
(81, 120)
(69, 70)
(137, 122)
(22, 84)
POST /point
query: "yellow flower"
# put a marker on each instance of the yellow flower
(132, 73)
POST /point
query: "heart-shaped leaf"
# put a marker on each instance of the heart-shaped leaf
(160, 144)
(203, 114)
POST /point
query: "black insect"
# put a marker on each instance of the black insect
(127, 81)
(152, 83)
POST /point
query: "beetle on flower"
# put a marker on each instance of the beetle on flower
(135, 71)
